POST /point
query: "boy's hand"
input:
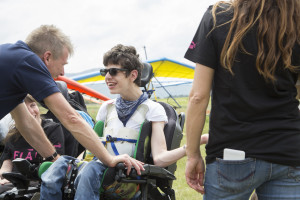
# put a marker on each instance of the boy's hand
(129, 162)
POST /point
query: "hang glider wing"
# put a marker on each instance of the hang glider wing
(163, 67)
(88, 77)
(167, 68)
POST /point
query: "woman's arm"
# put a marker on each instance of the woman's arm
(195, 120)
(197, 105)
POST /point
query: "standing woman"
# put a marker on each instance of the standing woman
(247, 55)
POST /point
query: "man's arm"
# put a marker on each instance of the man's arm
(32, 131)
(83, 132)
(77, 126)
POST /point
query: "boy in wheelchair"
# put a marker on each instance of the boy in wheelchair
(122, 119)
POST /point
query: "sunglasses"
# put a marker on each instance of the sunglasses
(112, 71)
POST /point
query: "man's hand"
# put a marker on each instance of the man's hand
(129, 162)
(194, 173)
(55, 159)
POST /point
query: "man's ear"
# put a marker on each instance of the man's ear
(46, 57)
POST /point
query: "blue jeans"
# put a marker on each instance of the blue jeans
(236, 180)
(87, 182)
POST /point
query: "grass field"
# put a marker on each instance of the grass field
(183, 191)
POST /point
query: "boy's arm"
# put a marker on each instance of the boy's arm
(161, 156)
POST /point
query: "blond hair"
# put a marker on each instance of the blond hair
(49, 38)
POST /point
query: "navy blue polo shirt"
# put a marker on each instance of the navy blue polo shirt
(22, 72)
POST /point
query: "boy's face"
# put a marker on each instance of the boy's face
(116, 80)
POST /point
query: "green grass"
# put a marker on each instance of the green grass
(183, 191)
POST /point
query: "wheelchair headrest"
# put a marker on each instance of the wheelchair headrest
(62, 86)
(171, 125)
(147, 74)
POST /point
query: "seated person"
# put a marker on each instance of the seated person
(122, 118)
(5, 123)
(17, 147)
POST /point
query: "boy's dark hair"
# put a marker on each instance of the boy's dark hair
(126, 57)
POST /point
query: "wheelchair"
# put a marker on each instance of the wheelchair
(154, 183)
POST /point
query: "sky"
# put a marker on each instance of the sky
(156, 28)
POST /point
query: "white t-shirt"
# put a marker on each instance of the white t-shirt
(148, 110)
(156, 113)
(5, 124)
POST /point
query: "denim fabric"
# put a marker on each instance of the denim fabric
(53, 178)
(87, 183)
(236, 180)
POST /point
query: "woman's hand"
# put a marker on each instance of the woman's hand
(194, 173)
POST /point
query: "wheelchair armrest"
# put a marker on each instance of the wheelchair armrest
(26, 168)
(18, 180)
(150, 171)
(156, 171)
